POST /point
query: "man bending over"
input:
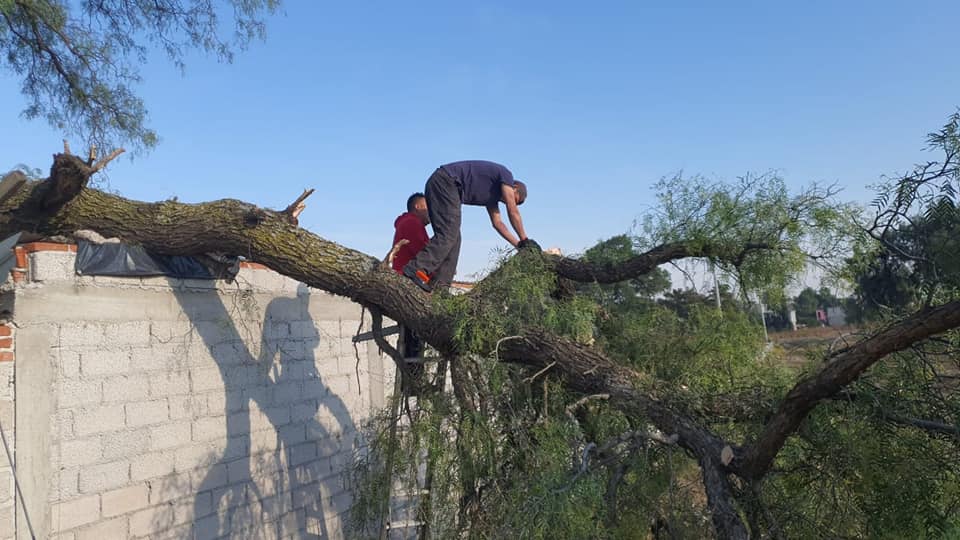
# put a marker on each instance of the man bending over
(472, 183)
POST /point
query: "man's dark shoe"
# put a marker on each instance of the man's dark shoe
(419, 277)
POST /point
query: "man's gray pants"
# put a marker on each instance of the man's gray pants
(439, 257)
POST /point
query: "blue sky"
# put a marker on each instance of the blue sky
(590, 104)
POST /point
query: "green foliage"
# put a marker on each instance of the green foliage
(919, 263)
(681, 301)
(860, 466)
(625, 296)
(520, 292)
(526, 461)
(78, 61)
(425, 440)
(753, 229)
(908, 255)
(706, 353)
(521, 462)
(853, 473)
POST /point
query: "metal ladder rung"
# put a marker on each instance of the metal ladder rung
(413, 493)
(404, 524)
(421, 360)
(367, 336)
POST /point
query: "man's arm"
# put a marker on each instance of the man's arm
(509, 196)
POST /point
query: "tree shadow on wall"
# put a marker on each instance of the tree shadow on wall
(288, 436)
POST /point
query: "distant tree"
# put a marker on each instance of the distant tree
(625, 295)
(807, 303)
(810, 300)
(826, 298)
(32, 173)
(682, 301)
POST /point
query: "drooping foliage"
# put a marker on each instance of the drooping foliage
(757, 231)
(531, 463)
(78, 61)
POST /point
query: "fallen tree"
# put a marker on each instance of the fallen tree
(63, 204)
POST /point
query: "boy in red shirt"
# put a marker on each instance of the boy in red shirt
(412, 227)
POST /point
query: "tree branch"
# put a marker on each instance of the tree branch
(841, 368)
(68, 176)
(926, 425)
(644, 263)
(103, 162)
(297, 206)
(726, 518)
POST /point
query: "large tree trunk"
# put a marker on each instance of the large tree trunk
(62, 205)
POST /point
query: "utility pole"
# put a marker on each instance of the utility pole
(716, 286)
(763, 319)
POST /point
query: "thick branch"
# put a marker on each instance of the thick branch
(103, 162)
(644, 263)
(225, 226)
(842, 368)
(68, 176)
(726, 519)
(296, 207)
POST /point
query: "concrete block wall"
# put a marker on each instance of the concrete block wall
(162, 408)
(7, 508)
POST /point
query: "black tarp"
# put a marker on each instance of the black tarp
(8, 260)
(117, 259)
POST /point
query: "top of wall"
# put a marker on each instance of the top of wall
(47, 263)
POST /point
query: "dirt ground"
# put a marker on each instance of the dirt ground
(796, 345)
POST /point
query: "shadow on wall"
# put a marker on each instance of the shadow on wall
(279, 473)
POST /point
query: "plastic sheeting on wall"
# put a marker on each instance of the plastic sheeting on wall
(117, 259)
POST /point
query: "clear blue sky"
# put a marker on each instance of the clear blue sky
(589, 103)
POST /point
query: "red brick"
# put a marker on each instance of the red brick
(5, 331)
(33, 247)
(6, 357)
(6, 343)
(21, 255)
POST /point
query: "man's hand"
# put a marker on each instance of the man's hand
(529, 243)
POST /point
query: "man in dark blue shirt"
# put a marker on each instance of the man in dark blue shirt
(474, 183)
